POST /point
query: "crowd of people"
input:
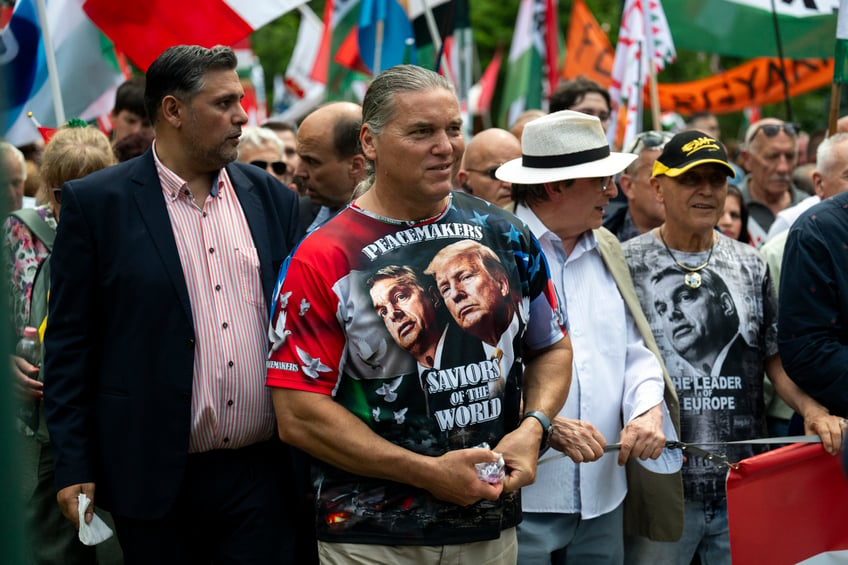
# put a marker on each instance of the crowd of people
(367, 339)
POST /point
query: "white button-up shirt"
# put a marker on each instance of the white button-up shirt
(615, 377)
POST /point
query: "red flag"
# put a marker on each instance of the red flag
(488, 82)
(143, 30)
(785, 506)
(551, 44)
(348, 54)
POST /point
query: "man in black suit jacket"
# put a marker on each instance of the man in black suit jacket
(141, 380)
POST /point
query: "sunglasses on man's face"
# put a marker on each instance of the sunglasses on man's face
(490, 172)
(278, 167)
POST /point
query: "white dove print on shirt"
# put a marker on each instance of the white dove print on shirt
(387, 391)
(312, 366)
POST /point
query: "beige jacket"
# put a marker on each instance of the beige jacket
(653, 507)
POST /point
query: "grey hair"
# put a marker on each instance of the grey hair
(6, 148)
(179, 72)
(253, 136)
(378, 106)
(825, 156)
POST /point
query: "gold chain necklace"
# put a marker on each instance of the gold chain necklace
(692, 278)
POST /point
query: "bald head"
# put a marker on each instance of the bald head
(517, 127)
(331, 159)
(486, 151)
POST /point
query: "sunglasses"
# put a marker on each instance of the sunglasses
(490, 172)
(278, 167)
(57, 194)
(771, 130)
(649, 140)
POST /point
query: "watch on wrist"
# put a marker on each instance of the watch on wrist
(546, 425)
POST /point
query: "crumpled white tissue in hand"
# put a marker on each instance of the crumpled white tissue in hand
(95, 532)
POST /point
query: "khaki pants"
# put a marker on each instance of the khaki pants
(501, 551)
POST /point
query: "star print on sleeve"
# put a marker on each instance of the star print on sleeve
(479, 219)
(312, 366)
(513, 235)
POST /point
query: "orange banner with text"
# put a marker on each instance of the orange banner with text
(755, 83)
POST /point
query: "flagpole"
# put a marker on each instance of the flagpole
(655, 96)
(434, 32)
(50, 58)
(783, 78)
(835, 94)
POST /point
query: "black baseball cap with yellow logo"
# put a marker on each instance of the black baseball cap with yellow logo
(689, 149)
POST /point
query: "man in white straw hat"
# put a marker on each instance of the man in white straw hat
(695, 284)
(575, 513)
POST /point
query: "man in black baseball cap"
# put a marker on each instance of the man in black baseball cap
(709, 301)
(690, 149)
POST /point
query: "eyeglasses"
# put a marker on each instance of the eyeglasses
(57, 194)
(278, 167)
(771, 130)
(490, 172)
(603, 181)
(649, 140)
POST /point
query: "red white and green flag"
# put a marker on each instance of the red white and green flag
(644, 45)
(745, 28)
(840, 63)
(533, 56)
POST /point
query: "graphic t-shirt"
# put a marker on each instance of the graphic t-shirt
(714, 340)
(418, 330)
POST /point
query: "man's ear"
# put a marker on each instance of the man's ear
(745, 157)
(357, 167)
(172, 110)
(462, 176)
(658, 191)
(367, 139)
(817, 184)
(552, 188)
(625, 183)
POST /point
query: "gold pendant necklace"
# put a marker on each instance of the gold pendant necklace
(692, 278)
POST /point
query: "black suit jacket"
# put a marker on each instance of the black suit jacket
(120, 338)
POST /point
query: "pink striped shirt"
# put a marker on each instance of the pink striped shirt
(230, 405)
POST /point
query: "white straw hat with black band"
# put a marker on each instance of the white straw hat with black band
(561, 146)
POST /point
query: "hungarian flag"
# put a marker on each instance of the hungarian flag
(88, 69)
(785, 506)
(644, 46)
(840, 61)
(745, 28)
(143, 30)
(297, 94)
(532, 66)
